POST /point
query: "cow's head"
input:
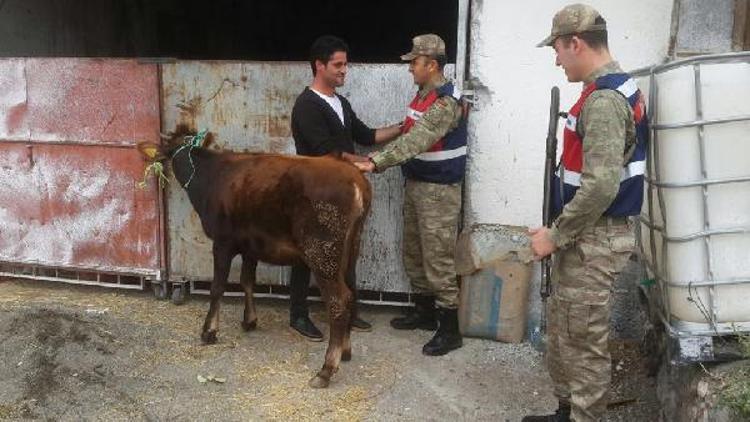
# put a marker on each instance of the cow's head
(155, 154)
(170, 143)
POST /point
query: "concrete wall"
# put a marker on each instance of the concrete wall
(509, 123)
(512, 79)
(704, 26)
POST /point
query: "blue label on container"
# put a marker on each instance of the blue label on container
(497, 293)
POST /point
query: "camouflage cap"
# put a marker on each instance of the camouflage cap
(425, 45)
(573, 19)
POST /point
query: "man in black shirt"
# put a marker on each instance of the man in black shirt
(323, 122)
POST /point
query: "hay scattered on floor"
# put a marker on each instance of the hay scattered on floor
(8, 412)
(272, 382)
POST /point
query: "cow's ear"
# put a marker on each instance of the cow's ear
(150, 151)
(209, 140)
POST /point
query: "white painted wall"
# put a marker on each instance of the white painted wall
(508, 125)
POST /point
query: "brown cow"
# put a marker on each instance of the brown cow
(277, 209)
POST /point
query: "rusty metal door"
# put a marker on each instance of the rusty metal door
(248, 106)
(69, 170)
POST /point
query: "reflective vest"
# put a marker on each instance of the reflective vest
(445, 161)
(630, 196)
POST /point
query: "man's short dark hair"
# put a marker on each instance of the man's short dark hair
(595, 39)
(324, 47)
(441, 61)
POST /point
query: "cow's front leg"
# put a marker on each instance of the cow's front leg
(222, 263)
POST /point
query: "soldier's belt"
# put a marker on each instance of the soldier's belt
(611, 221)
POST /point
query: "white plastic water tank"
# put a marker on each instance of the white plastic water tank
(690, 257)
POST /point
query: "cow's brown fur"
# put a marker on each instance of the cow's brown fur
(280, 210)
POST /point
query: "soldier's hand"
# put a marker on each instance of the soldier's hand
(354, 158)
(541, 243)
(365, 166)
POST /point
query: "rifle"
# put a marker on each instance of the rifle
(549, 168)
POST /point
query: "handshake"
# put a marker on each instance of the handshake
(364, 164)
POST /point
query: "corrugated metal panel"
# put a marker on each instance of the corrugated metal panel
(69, 168)
(77, 206)
(248, 107)
(79, 101)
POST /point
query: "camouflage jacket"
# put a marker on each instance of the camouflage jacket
(443, 116)
(607, 128)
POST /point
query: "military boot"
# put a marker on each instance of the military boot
(447, 337)
(562, 414)
(422, 316)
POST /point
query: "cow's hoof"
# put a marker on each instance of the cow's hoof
(209, 337)
(250, 326)
(319, 382)
(346, 355)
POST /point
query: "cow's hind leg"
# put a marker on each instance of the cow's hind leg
(351, 253)
(222, 262)
(338, 299)
(346, 346)
(247, 279)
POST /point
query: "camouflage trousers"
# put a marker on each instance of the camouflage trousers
(578, 313)
(431, 214)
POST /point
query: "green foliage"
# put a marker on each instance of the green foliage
(735, 395)
(744, 340)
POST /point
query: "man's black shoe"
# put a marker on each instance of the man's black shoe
(447, 337)
(358, 324)
(304, 326)
(422, 316)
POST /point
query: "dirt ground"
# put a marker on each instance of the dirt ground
(83, 353)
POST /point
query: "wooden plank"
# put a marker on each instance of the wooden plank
(741, 30)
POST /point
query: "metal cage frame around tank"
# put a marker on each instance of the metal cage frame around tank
(655, 188)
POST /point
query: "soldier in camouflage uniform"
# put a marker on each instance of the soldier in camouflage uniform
(599, 184)
(432, 153)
